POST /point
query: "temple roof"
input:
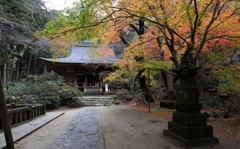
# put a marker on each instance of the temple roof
(79, 55)
(79, 61)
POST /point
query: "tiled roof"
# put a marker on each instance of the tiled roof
(79, 55)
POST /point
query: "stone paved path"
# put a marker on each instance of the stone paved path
(81, 133)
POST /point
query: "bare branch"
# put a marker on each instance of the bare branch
(206, 31)
(151, 21)
(35, 21)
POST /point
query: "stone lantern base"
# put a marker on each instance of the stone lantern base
(190, 130)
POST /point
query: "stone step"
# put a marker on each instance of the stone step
(107, 98)
(96, 100)
(96, 103)
(89, 89)
(92, 91)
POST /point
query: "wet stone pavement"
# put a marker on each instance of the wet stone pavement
(81, 133)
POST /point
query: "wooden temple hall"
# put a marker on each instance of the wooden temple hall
(80, 71)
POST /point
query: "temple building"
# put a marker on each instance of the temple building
(83, 72)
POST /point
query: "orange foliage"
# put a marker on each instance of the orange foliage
(184, 26)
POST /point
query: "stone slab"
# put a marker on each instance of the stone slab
(83, 132)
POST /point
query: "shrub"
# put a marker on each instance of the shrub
(122, 93)
(231, 104)
(69, 95)
(48, 93)
(42, 89)
(35, 92)
(114, 97)
(115, 101)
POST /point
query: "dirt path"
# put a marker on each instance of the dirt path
(44, 137)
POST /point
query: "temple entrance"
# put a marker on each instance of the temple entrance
(93, 80)
(80, 80)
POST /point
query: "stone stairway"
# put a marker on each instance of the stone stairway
(92, 90)
(96, 100)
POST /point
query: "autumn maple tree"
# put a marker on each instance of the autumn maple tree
(160, 31)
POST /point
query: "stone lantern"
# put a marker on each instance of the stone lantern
(188, 125)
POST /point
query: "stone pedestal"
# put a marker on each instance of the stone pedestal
(188, 125)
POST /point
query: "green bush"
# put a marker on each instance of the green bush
(69, 95)
(232, 104)
(116, 102)
(114, 97)
(122, 93)
(48, 93)
(42, 89)
(29, 92)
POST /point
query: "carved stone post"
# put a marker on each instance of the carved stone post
(188, 125)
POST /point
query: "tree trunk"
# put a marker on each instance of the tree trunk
(22, 74)
(140, 30)
(10, 74)
(164, 78)
(17, 73)
(9, 71)
(5, 119)
(29, 64)
(144, 87)
(4, 73)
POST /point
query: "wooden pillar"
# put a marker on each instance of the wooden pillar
(86, 80)
(30, 116)
(20, 117)
(24, 115)
(45, 69)
(44, 109)
(85, 84)
(40, 111)
(75, 80)
(35, 66)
